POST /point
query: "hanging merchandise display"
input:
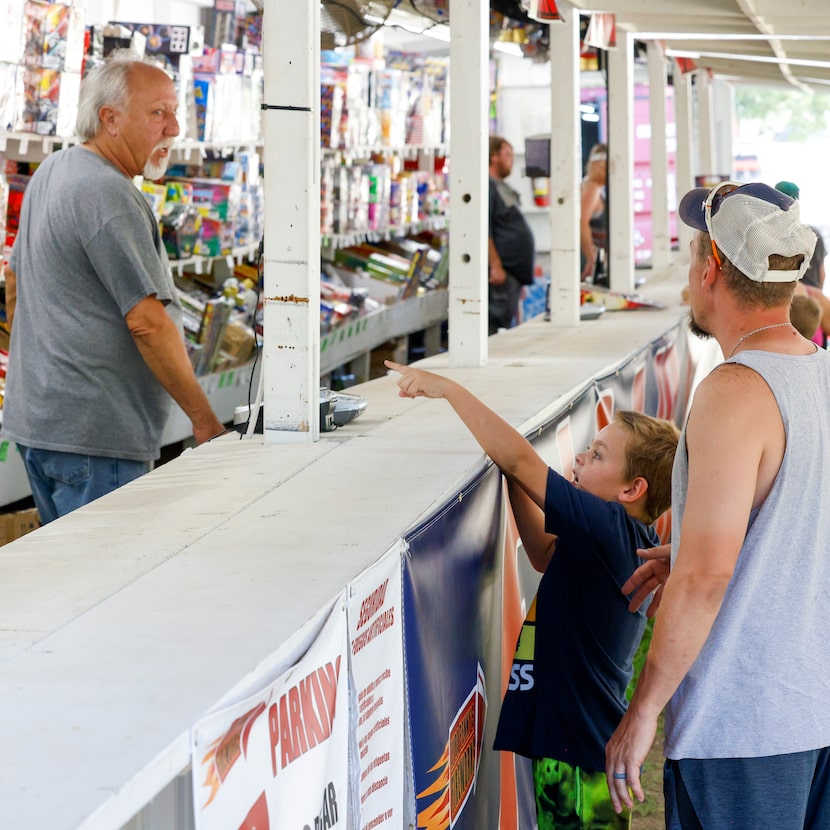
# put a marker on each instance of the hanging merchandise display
(41, 52)
(384, 201)
(383, 134)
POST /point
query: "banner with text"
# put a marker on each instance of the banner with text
(450, 643)
(378, 688)
(279, 758)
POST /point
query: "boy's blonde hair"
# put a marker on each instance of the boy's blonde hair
(649, 453)
(805, 314)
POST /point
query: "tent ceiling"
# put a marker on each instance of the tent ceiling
(756, 41)
(767, 41)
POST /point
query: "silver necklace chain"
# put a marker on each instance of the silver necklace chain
(755, 331)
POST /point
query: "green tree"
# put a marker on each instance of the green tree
(783, 113)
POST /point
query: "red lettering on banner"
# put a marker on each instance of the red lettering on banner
(328, 681)
(315, 731)
(322, 708)
(304, 715)
(274, 732)
(287, 754)
(372, 604)
(297, 730)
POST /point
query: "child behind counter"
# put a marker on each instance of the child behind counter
(574, 658)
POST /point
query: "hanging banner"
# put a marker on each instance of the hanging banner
(279, 758)
(543, 10)
(602, 31)
(685, 65)
(452, 638)
(377, 674)
(519, 585)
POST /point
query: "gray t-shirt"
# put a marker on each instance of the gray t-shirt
(87, 251)
(760, 684)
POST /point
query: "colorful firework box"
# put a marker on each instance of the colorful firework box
(615, 300)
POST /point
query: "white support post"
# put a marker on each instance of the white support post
(661, 256)
(621, 163)
(705, 122)
(723, 108)
(291, 356)
(469, 94)
(565, 164)
(684, 174)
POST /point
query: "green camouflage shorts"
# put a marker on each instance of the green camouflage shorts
(570, 798)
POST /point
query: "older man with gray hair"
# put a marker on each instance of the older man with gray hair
(97, 349)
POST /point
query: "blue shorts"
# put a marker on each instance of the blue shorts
(784, 792)
(64, 481)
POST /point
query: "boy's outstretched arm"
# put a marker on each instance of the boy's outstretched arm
(530, 522)
(510, 451)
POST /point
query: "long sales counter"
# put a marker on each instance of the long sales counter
(124, 622)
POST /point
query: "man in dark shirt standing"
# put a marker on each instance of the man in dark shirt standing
(511, 249)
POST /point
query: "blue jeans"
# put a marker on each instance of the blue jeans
(64, 481)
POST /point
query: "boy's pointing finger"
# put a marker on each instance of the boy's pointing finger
(396, 367)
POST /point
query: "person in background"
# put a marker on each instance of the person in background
(97, 349)
(814, 275)
(739, 649)
(817, 296)
(511, 248)
(573, 661)
(812, 283)
(593, 231)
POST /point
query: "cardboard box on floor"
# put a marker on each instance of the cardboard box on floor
(17, 524)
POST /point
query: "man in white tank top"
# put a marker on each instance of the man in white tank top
(739, 656)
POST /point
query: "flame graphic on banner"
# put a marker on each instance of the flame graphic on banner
(225, 751)
(458, 766)
(437, 815)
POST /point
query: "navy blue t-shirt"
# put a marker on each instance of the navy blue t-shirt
(573, 663)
